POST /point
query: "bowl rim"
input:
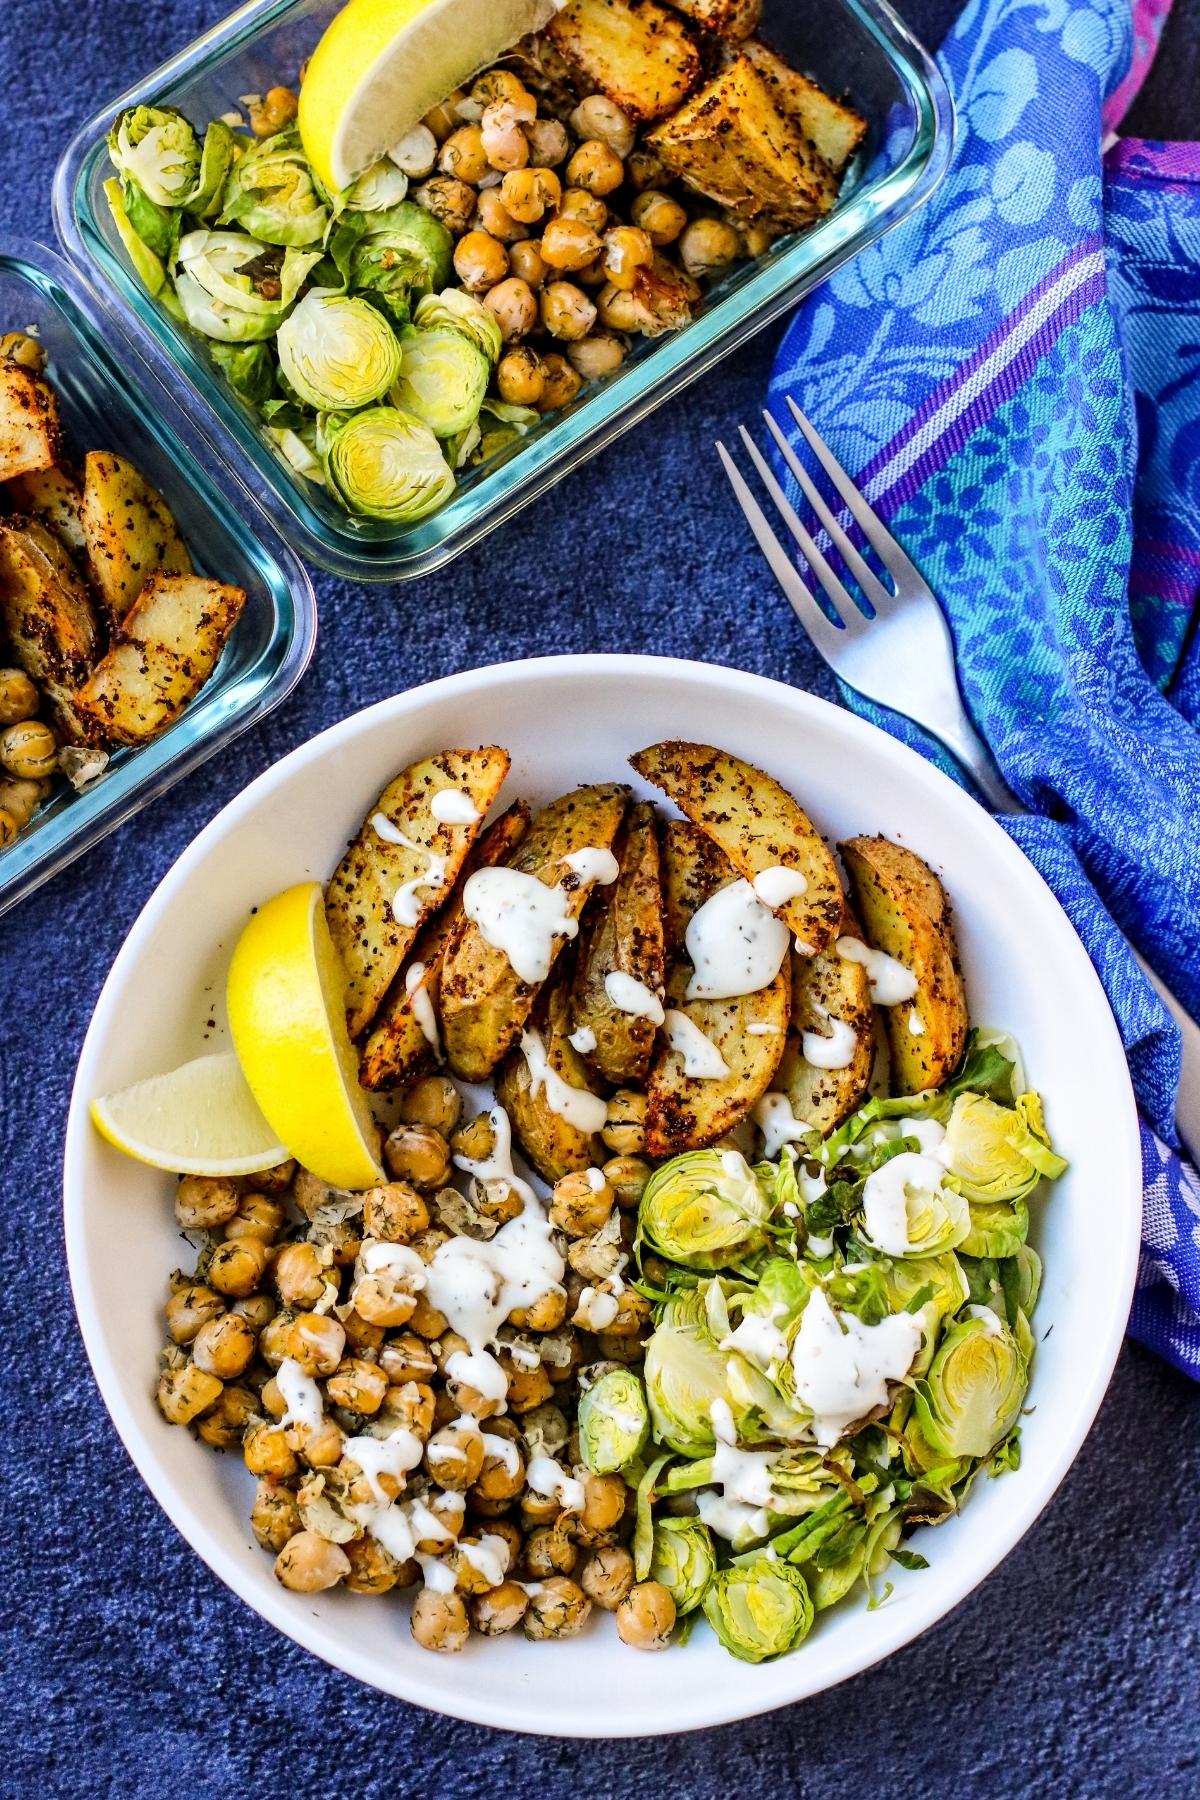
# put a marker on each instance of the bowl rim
(698, 1707)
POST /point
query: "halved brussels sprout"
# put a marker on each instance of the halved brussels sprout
(381, 187)
(298, 451)
(156, 148)
(216, 159)
(614, 1422)
(759, 1610)
(148, 265)
(974, 1391)
(273, 194)
(704, 1210)
(219, 296)
(998, 1153)
(684, 1560)
(684, 1373)
(456, 310)
(337, 352)
(907, 1211)
(404, 249)
(443, 378)
(385, 464)
(249, 369)
(997, 1231)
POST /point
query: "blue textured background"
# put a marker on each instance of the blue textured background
(127, 1669)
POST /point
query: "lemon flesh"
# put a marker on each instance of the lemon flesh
(383, 64)
(200, 1119)
(287, 1013)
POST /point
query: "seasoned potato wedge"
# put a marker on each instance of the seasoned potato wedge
(685, 1112)
(828, 988)
(397, 1049)
(834, 129)
(47, 615)
(552, 1144)
(905, 912)
(378, 871)
(625, 937)
(129, 532)
(54, 497)
(30, 433)
(484, 1001)
(732, 142)
(732, 20)
(160, 657)
(637, 52)
(756, 823)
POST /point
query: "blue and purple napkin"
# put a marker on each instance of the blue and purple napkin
(1014, 378)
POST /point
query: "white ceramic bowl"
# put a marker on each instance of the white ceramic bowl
(568, 720)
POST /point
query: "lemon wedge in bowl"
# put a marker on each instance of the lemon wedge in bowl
(200, 1119)
(287, 1013)
(383, 64)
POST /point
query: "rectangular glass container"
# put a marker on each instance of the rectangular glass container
(111, 401)
(857, 47)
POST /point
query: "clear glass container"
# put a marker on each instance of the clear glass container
(857, 47)
(111, 401)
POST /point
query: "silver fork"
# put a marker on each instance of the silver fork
(903, 657)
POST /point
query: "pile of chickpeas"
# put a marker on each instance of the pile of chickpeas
(276, 1278)
(29, 753)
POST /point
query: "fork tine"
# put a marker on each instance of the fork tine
(879, 596)
(824, 635)
(893, 558)
(843, 604)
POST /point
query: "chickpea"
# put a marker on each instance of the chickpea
(569, 244)
(238, 1266)
(224, 1346)
(558, 1610)
(396, 1213)
(549, 1551)
(603, 1502)
(519, 376)
(439, 1621)
(475, 1141)
(259, 1309)
(546, 1313)
(9, 827)
(202, 1203)
(627, 1176)
(191, 1307)
(275, 1516)
(425, 1319)
(186, 1392)
(445, 118)
(357, 1385)
(407, 1358)
(617, 309)
(386, 1300)
(361, 1335)
(525, 260)
(581, 1203)
(277, 1181)
(20, 347)
(309, 1563)
(500, 1610)
(273, 1338)
(561, 383)
(266, 1451)
(322, 1445)
(502, 1476)
(528, 193)
(492, 216)
(758, 237)
(596, 167)
(454, 1457)
(257, 1216)
(273, 112)
(498, 1199)
(633, 1314)
(658, 215)
(435, 1101)
(504, 143)
(449, 200)
(514, 307)
(463, 156)
(316, 1341)
(496, 85)
(528, 1388)
(372, 1569)
(19, 699)
(480, 261)
(447, 1511)
(299, 1275)
(646, 1616)
(607, 1576)
(566, 311)
(598, 117)
(620, 1349)
(311, 1193)
(645, 169)
(708, 246)
(625, 1128)
(549, 142)
(626, 250)
(416, 153)
(224, 1425)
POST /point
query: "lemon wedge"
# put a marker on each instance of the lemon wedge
(200, 1119)
(383, 64)
(287, 1013)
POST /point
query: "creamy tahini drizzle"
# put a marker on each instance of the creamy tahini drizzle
(406, 908)
(916, 1024)
(777, 885)
(583, 1040)
(520, 916)
(736, 944)
(595, 1310)
(757, 1338)
(886, 1194)
(833, 1049)
(301, 1396)
(594, 866)
(545, 1476)
(479, 1369)
(891, 983)
(701, 1058)
(633, 997)
(779, 1125)
(842, 1367)
(450, 806)
(423, 1011)
(584, 1110)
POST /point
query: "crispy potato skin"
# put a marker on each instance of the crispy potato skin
(828, 986)
(48, 617)
(637, 52)
(833, 129)
(732, 20)
(484, 1002)
(552, 1145)
(906, 913)
(756, 823)
(129, 532)
(625, 934)
(54, 497)
(161, 656)
(683, 1113)
(30, 432)
(358, 902)
(397, 1050)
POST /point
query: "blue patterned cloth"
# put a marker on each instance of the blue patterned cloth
(1014, 379)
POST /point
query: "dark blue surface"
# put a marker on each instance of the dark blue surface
(127, 1668)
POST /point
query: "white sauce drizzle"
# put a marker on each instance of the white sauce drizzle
(777, 885)
(762, 1030)
(990, 1319)
(890, 981)
(832, 1051)
(498, 1166)
(886, 1195)
(633, 997)
(595, 1310)
(489, 1557)
(736, 944)
(586, 1111)
(520, 916)
(595, 1179)
(701, 1058)
(545, 1476)
(450, 806)
(300, 1394)
(592, 865)
(731, 1519)
(583, 1040)
(423, 1012)
(842, 1367)
(744, 1476)
(479, 1369)
(438, 1576)
(779, 1125)
(916, 1024)
(406, 908)
(393, 1455)
(501, 1450)
(758, 1339)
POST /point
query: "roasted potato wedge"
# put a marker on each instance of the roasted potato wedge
(160, 657)
(484, 1002)
(827, 988)
(906, 913)
(637, 52)
(48, 617)
(129, 532)
(684, 1112)
(397, 1049)
(54, 497)
(625, 937)
(30, 432)
(758, 826)
(551, 1144)
(360, 900)
(732, 20)
(834, 129)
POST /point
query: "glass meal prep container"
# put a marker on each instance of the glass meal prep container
(109, 400)
(857, 47)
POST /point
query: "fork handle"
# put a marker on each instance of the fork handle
(969, 750)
